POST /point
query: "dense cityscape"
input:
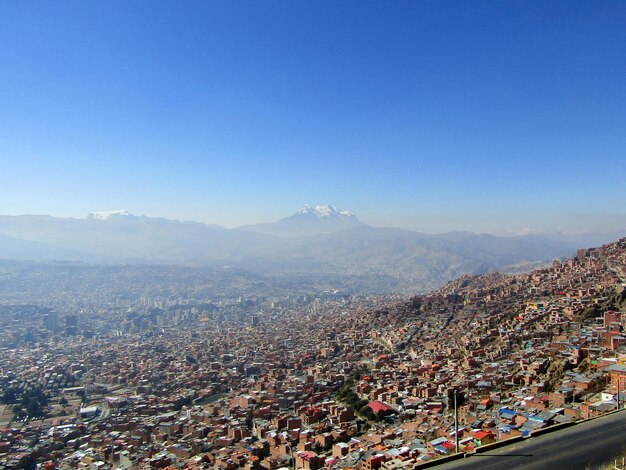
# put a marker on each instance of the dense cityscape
(312, 235)
(320, 380)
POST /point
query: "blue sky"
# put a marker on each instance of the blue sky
(488, 116)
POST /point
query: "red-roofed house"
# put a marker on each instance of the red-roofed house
(378, 406)
(483, 437)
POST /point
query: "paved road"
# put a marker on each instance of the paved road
(586, 446)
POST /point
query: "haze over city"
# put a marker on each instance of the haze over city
(501, 117)
(312, 234)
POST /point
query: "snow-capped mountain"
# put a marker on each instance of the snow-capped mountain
(324, 211)
(105, 215)
(315, 241)
(309, 221)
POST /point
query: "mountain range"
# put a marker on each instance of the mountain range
(315, 241)
(308, 221)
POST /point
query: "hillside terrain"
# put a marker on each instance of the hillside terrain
(371, 379)
(323, 246)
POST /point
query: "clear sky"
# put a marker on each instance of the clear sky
(481, 115)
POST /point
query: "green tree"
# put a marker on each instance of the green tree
(18, 412)
(8, 396)
(367, 413)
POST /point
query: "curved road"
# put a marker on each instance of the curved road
(588, 445)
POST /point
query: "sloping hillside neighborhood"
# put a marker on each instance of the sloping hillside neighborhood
(338, 382)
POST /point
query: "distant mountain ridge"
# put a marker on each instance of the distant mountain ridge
(308, 221)
(320, 241)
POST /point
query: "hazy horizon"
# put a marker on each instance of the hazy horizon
(435, 224)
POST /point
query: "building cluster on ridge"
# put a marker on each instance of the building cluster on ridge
(266, 388)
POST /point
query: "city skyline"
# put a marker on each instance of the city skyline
(481, 116)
